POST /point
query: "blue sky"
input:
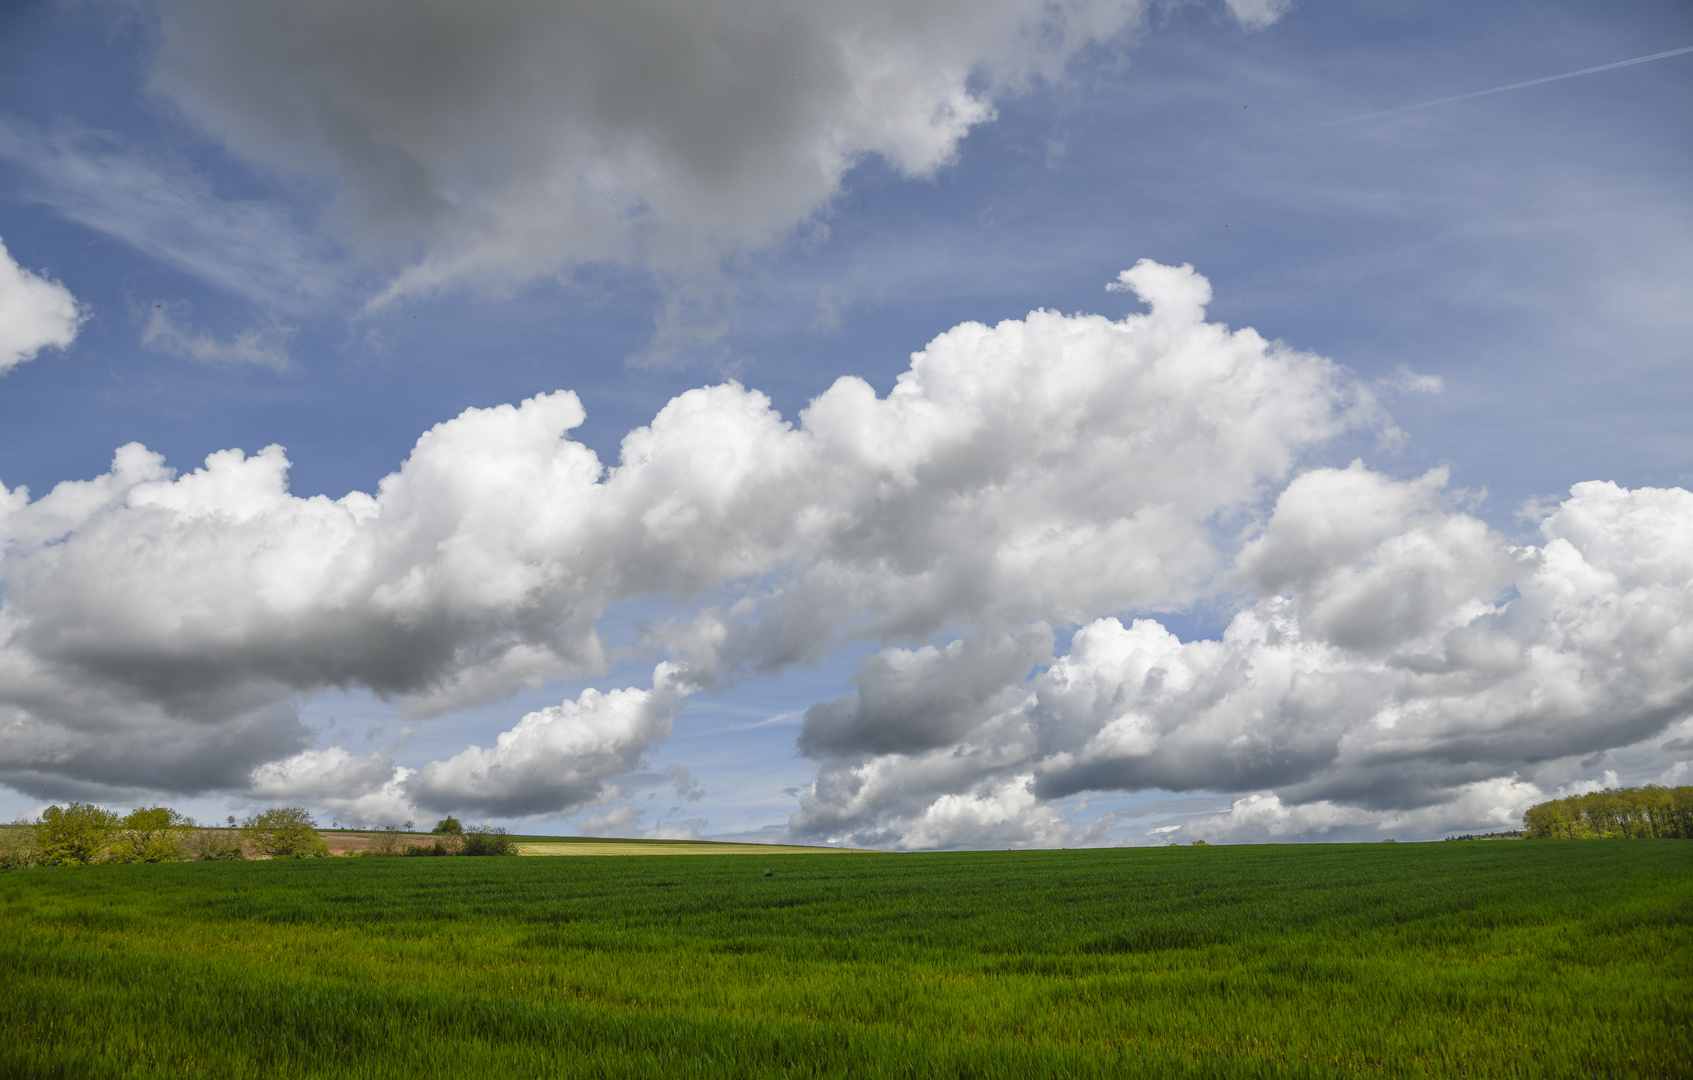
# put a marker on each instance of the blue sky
(1508, 275)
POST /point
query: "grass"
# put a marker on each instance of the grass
(1408, 960)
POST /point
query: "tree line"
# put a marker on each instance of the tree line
(1643, 813)
(81, 834)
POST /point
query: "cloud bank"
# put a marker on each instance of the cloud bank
(1020, 484)
(1403, 666)
(491, 143)
(1054, 467)
(35, 313)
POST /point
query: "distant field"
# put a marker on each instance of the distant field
(574, 846)
(1522, 959)
(344, 841)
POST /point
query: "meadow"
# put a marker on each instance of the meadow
(1510, 959)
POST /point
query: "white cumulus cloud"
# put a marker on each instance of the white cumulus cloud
(1053, 468)
(35, 313)
(1395, 663)
(556, 757)
(1404, 668)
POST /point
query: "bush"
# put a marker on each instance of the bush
(18, 847)
(212, 845)
(152, 835)
(284, 832)
(478, 840)
(448, 825)
(75, 834)
(384, 844)
(482, 840)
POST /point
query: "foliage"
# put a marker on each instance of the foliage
(477, 840)
(284, 832)
(1408, 960)
(385, 843)
(74, 834)
(443, 846)
(482, 840)
(18, 847)
(150, 835)
(448, 824)
(1647, 813)
(213, 845)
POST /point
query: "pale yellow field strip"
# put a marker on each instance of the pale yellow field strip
(612, 847)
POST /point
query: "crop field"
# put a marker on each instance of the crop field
(351, 841)
(1503, 959)
(575, 846)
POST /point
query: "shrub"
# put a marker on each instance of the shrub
(482, 840)
(151, 835)
(284, 832)
(448, 825)
(213, 845)
(18, 847)
(385, 843)
(75, 834)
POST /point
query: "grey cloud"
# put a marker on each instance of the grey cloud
(915, 700)
(125, 750)
(684, 783)
(521, 137)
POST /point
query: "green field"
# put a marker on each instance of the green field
(1519, 959)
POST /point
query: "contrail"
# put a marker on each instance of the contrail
(1498, 89)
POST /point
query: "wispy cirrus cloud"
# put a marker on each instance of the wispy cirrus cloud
(162, 207)
(264, 345)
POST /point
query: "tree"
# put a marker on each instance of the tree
(1556, 820)
(284, 832)
(448, 826)
(151, 835)
(1648, 813)
(75, 834)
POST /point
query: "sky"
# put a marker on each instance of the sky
(915, 425)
